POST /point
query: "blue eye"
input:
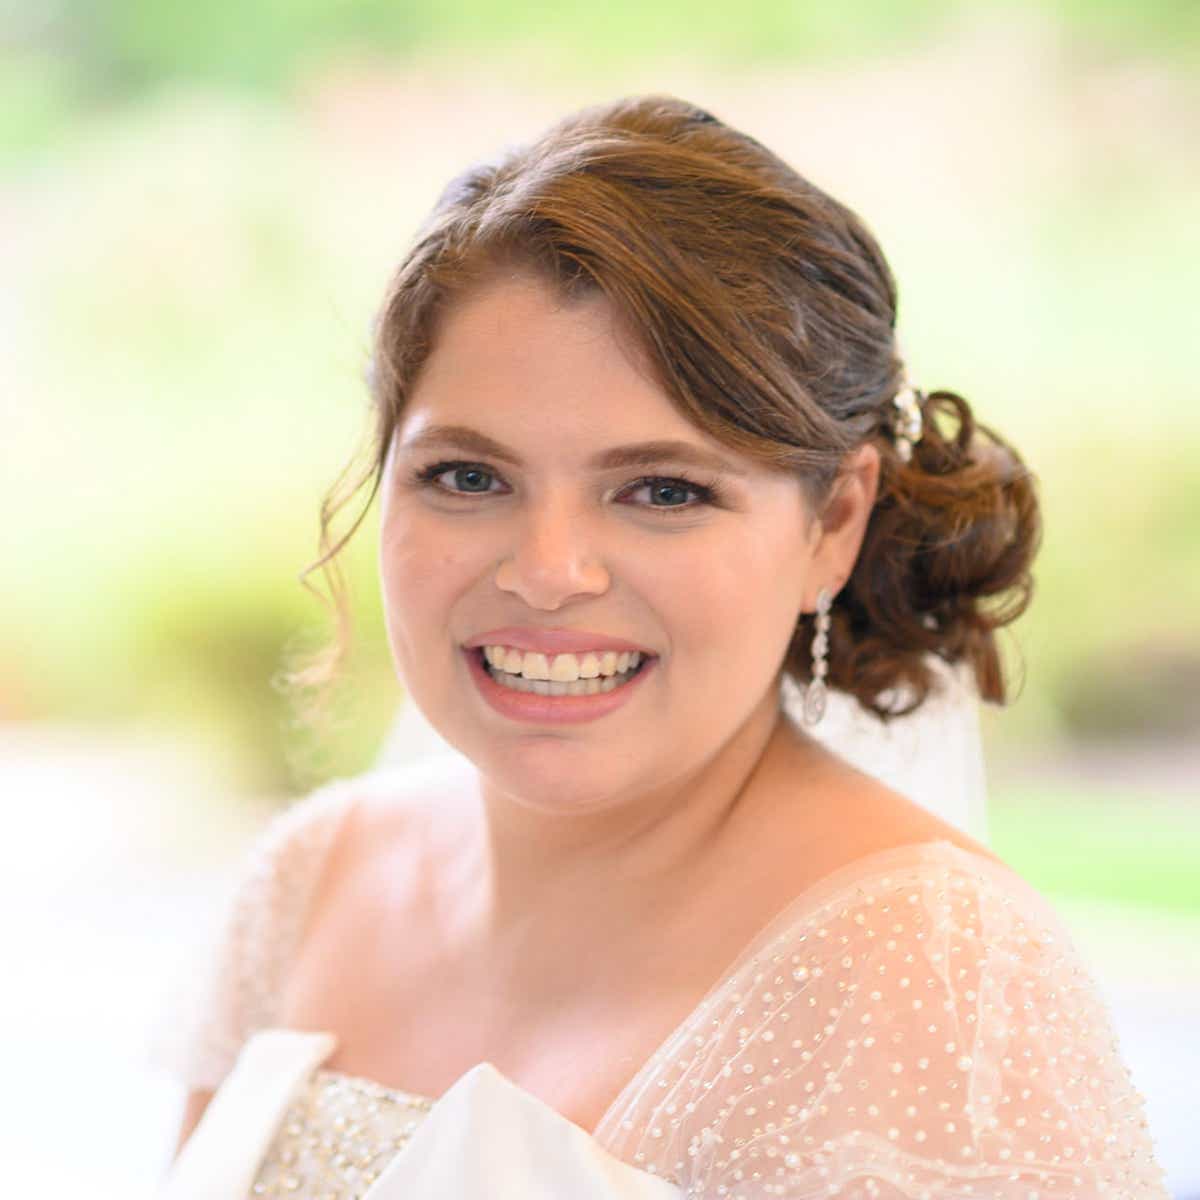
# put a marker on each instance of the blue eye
(428, 477)
(659, 484)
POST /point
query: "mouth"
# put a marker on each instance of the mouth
(597, 684)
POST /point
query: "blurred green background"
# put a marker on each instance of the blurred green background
(199, 210)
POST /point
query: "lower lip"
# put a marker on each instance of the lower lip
(551, 710)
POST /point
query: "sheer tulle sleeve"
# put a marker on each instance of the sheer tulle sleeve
(234, 987)
(934, 1034)
(918, 1026)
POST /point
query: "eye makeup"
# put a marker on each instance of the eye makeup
(709, 492)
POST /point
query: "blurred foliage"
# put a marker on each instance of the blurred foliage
(1130, 849)
(210, 653)
(1157, 681)
(75, 55)
(123, 47)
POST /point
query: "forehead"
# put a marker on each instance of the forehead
(518, 319)
(517, 360)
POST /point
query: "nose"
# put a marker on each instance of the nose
(552, 559)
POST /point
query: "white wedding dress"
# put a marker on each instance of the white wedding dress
(916, 1024)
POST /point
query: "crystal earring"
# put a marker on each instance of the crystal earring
(816, 693)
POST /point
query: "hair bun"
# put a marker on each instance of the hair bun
(955, 527)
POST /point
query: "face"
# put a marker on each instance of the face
(707, 569)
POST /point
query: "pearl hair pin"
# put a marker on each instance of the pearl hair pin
(909, 424)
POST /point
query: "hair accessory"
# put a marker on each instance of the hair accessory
(816, 693)
(909, 424)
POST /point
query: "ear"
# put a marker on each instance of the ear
(841, 525)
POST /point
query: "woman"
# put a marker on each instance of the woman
(646, 450)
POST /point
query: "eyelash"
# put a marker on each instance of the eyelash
(709, 493)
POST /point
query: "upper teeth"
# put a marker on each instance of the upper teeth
(565, 668)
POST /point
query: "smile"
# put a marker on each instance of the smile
(532, 666)
(567, 675)
(557, 701)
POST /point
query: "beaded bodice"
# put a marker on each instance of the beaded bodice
(336, 1137)
(917, 1024)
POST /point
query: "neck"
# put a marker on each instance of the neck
(600, 875)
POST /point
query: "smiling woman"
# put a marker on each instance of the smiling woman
(645, 450)
(572, 530)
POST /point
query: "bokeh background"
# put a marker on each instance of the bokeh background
(200, 206)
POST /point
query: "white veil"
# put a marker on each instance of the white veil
(934, 756)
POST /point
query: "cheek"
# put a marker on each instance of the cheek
(420, 580)
(725, 573)
(737, 593)
(415, 559)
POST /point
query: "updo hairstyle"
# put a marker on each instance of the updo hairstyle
(767, 312)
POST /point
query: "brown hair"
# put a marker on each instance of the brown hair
(767, 311)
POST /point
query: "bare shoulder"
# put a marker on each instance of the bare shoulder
(398, 811)
(381, 875)
(903, 821)
(851, 814)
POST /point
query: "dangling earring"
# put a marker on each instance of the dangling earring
(816, 693)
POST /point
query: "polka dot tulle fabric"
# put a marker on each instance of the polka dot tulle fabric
(917, 1025)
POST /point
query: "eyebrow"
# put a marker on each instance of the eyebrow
(638, 454)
